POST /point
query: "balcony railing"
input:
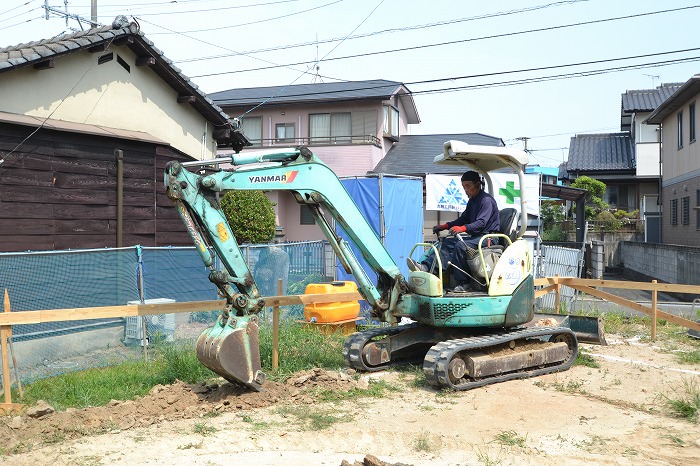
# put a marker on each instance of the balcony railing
(319, 141)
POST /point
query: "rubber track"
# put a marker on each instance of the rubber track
(435, 364)
(352, 350)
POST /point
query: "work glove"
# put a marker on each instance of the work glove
(438, 228)
(458, 229)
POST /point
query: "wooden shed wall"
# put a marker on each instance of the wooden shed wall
(58, 190)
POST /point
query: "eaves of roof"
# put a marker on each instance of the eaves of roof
(42, 53)
(316, 93)
(413, 154)
(647, 100)
(96, 130)
(679, 98)
(601, 153)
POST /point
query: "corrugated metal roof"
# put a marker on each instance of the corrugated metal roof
(121, 32)
(646, 100)
(414, 154)
(601, 152)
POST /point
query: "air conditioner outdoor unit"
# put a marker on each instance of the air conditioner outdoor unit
(161, 326)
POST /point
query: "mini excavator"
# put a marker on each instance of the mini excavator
(465, 340)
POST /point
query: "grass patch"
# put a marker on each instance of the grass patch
(510, 438)
(689, 357)
(313, 417)
(585, 359)
(204, 429)
(304, 348)
(684, 400)
(376, 389)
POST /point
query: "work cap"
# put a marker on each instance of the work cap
(471, 176)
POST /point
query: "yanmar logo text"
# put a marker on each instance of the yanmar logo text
(284, 178)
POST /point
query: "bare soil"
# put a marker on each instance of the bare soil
(615, 414)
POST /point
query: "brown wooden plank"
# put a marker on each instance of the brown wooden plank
(665, 287)
(23, 177)
(17, 243)
(12, 210)
(638, 307)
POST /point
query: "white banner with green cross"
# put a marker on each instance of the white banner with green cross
(444, 192)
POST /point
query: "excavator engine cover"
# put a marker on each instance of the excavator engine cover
(231, 349)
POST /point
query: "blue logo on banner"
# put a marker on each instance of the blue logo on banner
(452, 198)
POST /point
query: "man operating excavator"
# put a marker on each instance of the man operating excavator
(480, 217)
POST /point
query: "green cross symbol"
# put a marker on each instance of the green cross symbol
(509, 192)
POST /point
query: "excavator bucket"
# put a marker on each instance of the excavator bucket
(231, 349)
(587, 329)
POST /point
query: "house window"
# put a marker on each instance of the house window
(611, 196)
(305, 215)
(251, 127)
(691, 122)
(685, 207)
(391, 122)
(680, 130)
(697, 209)
(284, 133)
(674, 211)
(330, 128)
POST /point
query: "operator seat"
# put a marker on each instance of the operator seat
(508, 219)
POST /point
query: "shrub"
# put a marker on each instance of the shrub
(608, 221)
(251, 216)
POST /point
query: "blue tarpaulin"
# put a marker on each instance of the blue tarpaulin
(393, 206)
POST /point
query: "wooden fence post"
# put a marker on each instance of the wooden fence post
(654, 310)
(5, 334)
(276, 329)
(557, 295)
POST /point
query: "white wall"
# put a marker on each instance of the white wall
(79, 90)
(647, 159)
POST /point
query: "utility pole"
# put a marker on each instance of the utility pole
(524, 139)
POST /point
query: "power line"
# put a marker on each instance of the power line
(391, 30)
(440, 44)
(524, 70)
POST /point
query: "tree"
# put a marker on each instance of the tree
(594, 196)
(251, 216)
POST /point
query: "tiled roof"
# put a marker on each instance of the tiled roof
(307, 93)
(120, 32)
(414, 154)
(681, 97)
(601, 152)
(646, 100)
(375, 89)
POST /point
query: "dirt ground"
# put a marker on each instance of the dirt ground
(615, 414)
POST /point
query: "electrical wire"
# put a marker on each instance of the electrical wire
(524, 70)
(384, 31)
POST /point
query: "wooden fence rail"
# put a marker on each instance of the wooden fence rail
(589, 286)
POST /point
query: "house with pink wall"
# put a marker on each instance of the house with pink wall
(349, 125)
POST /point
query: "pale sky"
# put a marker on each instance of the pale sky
(464, 60)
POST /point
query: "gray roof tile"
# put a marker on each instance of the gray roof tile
(414, 154)
(16, 56)
(601, 152)
(646, 100)
(307, 93)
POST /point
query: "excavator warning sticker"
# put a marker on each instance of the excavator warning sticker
(222, 231)
(287, 177)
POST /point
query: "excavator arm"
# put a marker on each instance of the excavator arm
(230, 348)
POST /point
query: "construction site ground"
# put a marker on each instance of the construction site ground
(617, 413)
